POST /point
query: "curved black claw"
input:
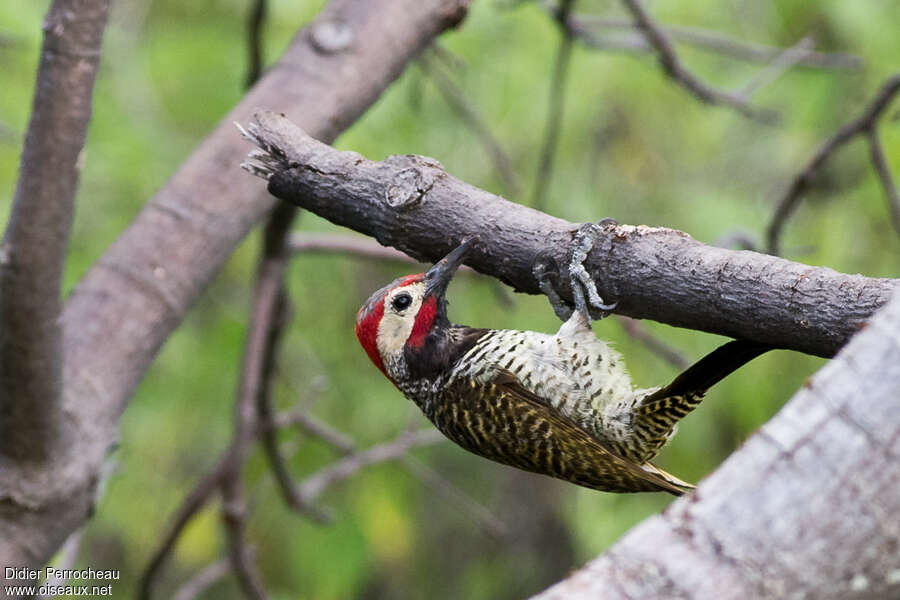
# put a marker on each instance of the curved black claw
(546, 273)
(607, 221)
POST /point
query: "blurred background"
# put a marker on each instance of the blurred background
(631, 145)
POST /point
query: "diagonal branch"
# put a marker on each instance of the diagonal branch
(470, 114)
(779, 64)
(865, 124)
(879, 161)
(256, 21)
(352, 245)
(411, 203)
(656, 345)
(671, 63)
(555, 107)
(702, 39)
(202, 580)
(190, 506)
(316, 484)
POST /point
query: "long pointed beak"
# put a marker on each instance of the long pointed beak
(438, 277)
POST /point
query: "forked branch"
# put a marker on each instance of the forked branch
(866, 124)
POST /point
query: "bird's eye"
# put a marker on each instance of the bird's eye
(401, 302)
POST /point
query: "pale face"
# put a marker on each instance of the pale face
(401, 305)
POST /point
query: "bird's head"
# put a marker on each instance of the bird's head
(399, 317)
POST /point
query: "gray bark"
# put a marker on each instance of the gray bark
(809, 507)
(37, 236)
(411, 203)
(126, 306)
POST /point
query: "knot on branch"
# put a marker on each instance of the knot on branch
(415, 179)
(331, 37)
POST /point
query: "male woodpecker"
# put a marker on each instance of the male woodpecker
(562, 405)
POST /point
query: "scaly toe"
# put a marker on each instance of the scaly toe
(546, 273)
(582, 245)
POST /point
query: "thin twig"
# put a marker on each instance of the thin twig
(453, 62)
(703, 39)
(781, 63)
(317, 429)
(234, 519)
(68, 556)
(663, 350)
(212, 481)
(865, 123)
(671, 63)
(266, 326)
(879, 161)
(251, 409)
(314, 485)
(198, 584)
(555, 107)
(354, 245)
(255, 22)
(341, 442)
(737, 239)
(329, 243)
(195, 500)
(460, 103)
(490, 523)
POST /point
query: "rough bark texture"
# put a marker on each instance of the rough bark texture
(809, 507)
(37, 237)
(34, 439)
(411, 203)
(130, 301)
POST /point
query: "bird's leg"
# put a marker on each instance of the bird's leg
(584, 290)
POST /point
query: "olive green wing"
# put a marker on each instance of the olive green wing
(504, 422)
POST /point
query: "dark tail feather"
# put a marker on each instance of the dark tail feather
(711, 369)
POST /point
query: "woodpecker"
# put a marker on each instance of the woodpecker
(561, 405)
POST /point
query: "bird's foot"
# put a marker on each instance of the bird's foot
(546, 273)
(584, 289)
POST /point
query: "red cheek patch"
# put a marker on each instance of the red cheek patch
(367, 333)
(423, 323)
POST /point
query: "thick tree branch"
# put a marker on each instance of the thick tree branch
(37, 239)
(130, 301)
(809, 507)
(35, 431)
(411, 203)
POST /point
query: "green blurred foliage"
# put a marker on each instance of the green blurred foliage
(633, 145)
